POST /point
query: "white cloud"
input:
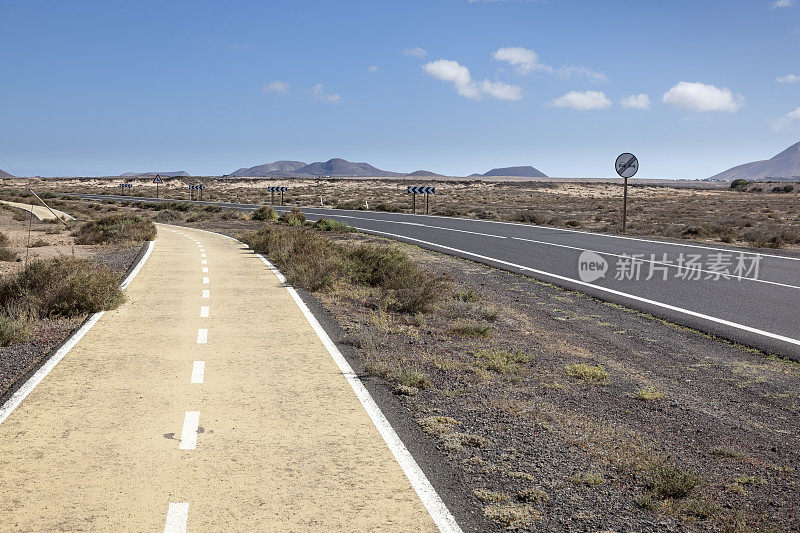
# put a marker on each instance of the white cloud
(460, 77)
(280, 87)
(319, 95)
(702, 97)
(789, 78)
(782, 3)
(571, 71)
(500, 90)
(636, 101)
(582, 101)
(526, 61)
(522, 59)
(786, 119)
(372, 68)
(416, 52)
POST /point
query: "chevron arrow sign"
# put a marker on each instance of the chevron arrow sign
(422, 190)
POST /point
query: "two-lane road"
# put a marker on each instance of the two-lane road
(742, 295)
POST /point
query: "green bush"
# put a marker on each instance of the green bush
(738, 184)
(59, 287)
(115, 229)
(295, 217)
(264, 213)
(669, 481)
(12, 331)
(324, 224)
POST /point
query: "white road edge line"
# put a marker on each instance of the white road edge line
(202, 336)
(604, 289)
(191, 422)
(198, 371)
(177, 517)
(16, 398)
(422, 486)
(203, 311)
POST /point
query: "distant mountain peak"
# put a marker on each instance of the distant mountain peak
(786, 164)
(520, 172)
(4, 174)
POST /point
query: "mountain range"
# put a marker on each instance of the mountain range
(4, 174)
(784, 165)
(337, 167)
(164, 174)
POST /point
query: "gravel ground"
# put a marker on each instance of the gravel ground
(18, 360)
(541, 450)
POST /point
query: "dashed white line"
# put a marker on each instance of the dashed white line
(198, 371)
(205, 270)
(206, 281)
(202, 336)
(177, 517)
(204, 311)
(189, 432)
(202, 251)
(203, 261)
(206, 293)
(202, 255)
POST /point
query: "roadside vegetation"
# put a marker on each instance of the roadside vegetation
(115, 229)
(317, 263)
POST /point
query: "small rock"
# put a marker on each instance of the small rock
(406, 390)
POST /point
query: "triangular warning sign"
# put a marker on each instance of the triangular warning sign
(158, 179)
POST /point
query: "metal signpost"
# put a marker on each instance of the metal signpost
(626, 166)
(273, 190)
(157, 180)
(193, 188)
(420, 190)
(124, 186)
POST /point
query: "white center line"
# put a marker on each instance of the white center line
(189, 432)
(206, 293)
(202, 251)
(202, 336)
(204, 261)
(177, 516)
(206, 280)
(204, 311)
(198, 371)
(205, 269)
(202, 255)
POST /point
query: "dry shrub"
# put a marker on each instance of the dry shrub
(59, 287)
(317, 263)
(116, 229)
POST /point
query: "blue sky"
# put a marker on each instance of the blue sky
(453, 86)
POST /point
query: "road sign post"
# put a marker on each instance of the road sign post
(626, 166)
(414, 191)
(272, 190)
(157, 180)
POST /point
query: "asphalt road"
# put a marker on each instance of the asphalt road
(743, 295)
